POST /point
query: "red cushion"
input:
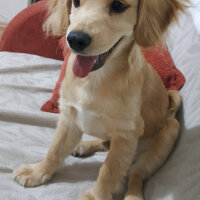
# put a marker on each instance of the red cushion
(52, 104)
(24, 34)
(158, 57)
(162, 62)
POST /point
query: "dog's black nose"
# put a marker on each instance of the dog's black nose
(78, 40)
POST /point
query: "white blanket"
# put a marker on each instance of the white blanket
(26, 82)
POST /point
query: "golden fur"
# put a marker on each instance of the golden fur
(124, 103)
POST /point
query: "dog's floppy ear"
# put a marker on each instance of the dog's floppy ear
(154, 16)
(57, 20)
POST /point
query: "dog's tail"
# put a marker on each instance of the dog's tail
(174, 102)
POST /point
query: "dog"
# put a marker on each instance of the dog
(111, 92)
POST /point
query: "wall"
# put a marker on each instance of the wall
(195, 12)
(9, 8)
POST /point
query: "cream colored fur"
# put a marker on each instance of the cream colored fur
(124, 103)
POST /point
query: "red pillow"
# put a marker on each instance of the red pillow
(158, 57)
(52, 104)
(161, 61)
(24, 34)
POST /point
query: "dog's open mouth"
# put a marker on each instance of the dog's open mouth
(83, 65)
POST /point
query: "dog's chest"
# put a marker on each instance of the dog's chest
(95, 120)
(97, 113)
(91, 122)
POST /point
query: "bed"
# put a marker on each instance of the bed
(26, 82)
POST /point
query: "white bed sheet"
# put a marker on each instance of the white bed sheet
(26, 82)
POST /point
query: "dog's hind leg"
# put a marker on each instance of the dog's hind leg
(150, 160)
(88, 148)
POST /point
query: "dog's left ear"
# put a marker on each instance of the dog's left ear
(57, 20)
(154, 16)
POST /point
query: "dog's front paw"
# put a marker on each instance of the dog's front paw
(131, 197)
(31, 175)
(92, 195)
(87, 196)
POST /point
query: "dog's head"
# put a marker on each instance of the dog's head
(95, 27)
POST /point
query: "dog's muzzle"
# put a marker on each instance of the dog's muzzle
(78, 40)
(83, 65)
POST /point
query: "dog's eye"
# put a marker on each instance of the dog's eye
(117, 7)
(76, 3)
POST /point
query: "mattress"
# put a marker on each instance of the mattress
(26, 82)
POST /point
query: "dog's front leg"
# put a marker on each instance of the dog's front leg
(115, 167)
(66, 138)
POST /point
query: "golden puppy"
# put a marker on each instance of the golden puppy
(111, 92)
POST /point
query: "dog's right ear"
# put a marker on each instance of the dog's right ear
(57, 20)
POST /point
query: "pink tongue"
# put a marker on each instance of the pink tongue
(83, 65)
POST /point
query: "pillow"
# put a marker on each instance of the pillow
(24, 34)
(158, 57)
(52, 104)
